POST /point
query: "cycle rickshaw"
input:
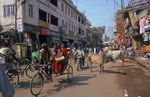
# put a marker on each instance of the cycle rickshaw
(37, 82)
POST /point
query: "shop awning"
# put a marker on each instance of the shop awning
(11, 33)
(142, 14)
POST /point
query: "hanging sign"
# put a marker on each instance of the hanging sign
(20, 25)
(119, 22)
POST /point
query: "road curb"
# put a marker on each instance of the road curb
(141, 64)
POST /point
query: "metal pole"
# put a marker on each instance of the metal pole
(16, 11)
(122, 4)
(123, 34)
(16, 16)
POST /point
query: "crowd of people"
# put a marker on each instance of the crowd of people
(52, 57)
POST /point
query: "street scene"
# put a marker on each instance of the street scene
(74, 48)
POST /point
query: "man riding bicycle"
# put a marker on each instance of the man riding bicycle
(80, 57)
(46, 57)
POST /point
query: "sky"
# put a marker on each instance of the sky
(100, 12)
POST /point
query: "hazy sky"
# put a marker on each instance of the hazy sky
(100, 12)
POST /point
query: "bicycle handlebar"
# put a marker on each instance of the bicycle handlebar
(42, 65)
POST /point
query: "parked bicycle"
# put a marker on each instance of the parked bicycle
(14, 69)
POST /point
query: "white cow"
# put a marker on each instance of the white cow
(115, 54)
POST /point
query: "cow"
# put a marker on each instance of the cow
(114, 55)
(100, 59)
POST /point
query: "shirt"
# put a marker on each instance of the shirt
(94, 50)
(6, 88)
(65, 52)
(6, 51)
(79, 53)
(46, 56)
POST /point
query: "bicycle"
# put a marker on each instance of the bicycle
(16, 70)
(79, 63)
(37, 81)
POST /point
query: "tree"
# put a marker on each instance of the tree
(97, 33)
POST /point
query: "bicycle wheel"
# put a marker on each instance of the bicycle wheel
(30, 71)
(70, 73)
(13, 76)
(36, 84)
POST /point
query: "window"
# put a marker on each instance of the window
(82, 21)
(30, 10)
(66, 25)
(66, 9)
(69, 27)
(54, 20)
(78, 19)
(42, 15)
(9, 10)
(54, 2)
(48, 18)
(79, 30)
(63, 23)
(62, 7)
(82, 32)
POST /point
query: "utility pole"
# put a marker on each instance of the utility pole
(123, 34)
(16, 16)
(122, 4)
(16, 11)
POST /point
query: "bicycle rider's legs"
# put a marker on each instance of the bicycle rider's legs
(77, 63)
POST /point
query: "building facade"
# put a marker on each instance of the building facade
(50, 21)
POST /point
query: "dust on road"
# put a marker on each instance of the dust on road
(136, 81)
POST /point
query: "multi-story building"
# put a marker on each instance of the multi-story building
(50, 21)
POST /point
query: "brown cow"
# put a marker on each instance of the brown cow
(97, 59)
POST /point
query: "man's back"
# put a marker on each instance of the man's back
(6, 51)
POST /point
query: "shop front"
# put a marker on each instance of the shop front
(44, 36)
(56, 37)
(30, 38)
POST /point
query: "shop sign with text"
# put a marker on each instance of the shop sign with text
(45, 31)
(119, 22)
(44, 24)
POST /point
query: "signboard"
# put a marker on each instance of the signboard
(45, 31)
(20, 25)
(121, 11)
(119, 22)
(133, 18)
(140, 4)
(147, 48)
(44, 24)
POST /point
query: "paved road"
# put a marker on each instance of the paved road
(132, 78)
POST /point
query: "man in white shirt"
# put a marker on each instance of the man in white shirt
(80, 54)
(94, 50)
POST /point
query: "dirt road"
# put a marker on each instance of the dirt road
(132, 78)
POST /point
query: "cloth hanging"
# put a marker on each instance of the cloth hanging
(141, 23)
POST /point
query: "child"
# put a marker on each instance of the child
(59, 58)
(59, 54)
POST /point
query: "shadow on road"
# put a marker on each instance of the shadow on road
(121, 66)
(115, 72)
(63, 84)
(24, 84)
